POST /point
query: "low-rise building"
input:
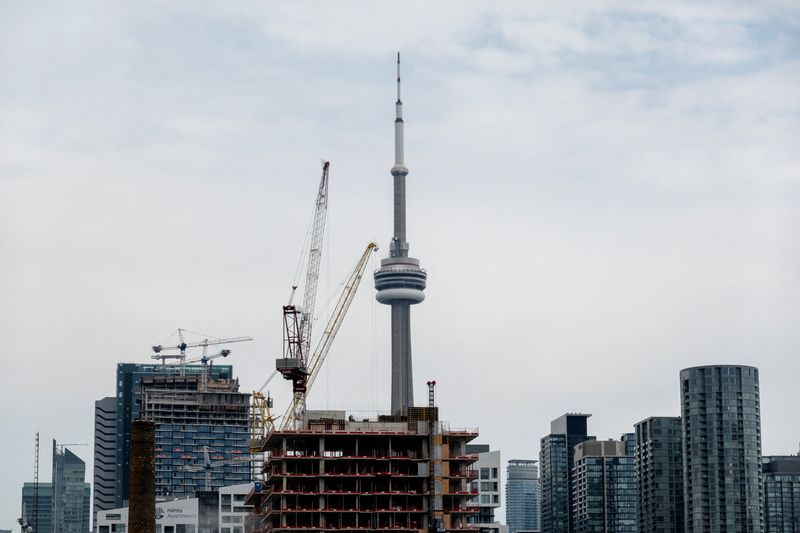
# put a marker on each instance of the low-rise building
(488, 487)
(220, 511)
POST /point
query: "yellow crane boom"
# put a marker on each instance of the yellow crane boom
(296, 410)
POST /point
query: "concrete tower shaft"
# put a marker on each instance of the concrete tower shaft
(400, 281)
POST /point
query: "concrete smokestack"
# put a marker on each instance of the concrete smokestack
(142, 503)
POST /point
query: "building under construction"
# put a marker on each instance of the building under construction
(197, 420)
(338, 474)
(325, 471)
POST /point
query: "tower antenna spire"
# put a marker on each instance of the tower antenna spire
(398, 78)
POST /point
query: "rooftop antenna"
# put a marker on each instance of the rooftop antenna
(431, 394)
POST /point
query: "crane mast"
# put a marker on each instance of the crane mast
(36, 487)
(296, 410)
(314, 257)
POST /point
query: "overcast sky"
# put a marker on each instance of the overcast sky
(601, 194)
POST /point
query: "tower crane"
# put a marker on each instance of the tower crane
(296, 410)
(209, 465)
(35, 487)
(297, 322)
(204, 360)
(182, 346)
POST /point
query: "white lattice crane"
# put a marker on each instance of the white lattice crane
(208, 466)
(168, 352)
(205, 360)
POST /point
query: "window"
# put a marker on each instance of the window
(494, 472)
(103, 529)
(484, 473)
(225, 503)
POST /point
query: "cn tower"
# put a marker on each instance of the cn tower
(400, 281)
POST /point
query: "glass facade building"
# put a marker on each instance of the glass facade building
(129, 405)
(41, 521)
(71, 493)
(523, 496)
(556, 460)
(604, 495)
(721, 426)
(782, 494)
(659, 475)
(191, 417)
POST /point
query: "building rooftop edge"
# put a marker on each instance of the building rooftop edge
(718, 366)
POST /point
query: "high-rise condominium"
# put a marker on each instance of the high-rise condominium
(523, 496)
(604, 488)
(71, 494)
(782, 494)
(659, 475)
(556, 459)
(722, 481)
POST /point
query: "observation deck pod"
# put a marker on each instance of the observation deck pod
(400, 279)
(293, 369)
